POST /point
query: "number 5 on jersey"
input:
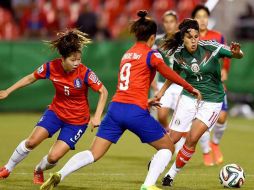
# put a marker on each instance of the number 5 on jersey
(67, 90)
(125, 76)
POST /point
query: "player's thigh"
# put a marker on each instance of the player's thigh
(184, 114)
(38, 135)
(70, 134)
(208, 113)
(141, 123)
(50, 122)
(99, 147)
(111, 128)
(197, 130)
(222, 117)
(223, 114)
(163, 143)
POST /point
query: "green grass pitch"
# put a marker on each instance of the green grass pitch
(125, 165)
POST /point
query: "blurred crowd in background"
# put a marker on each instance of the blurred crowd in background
(109, 19)
(101, 19)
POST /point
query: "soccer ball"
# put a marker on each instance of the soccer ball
(232, 176)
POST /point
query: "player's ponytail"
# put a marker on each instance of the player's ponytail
(144, 27)
(171, 44)
(69, 42)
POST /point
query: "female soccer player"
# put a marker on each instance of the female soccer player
(211, 151)
(129, 108)
(199, 60)
(69, 110)
(168, 101)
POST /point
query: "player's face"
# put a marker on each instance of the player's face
(72, 62)
(190, 40)
(170, 24)
(202, 18)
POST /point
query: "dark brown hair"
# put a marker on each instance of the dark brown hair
(144, 27)
(69, 41)
(171, 44)
(198, 8)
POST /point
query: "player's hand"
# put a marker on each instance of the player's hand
(94, 122)
(224, 75)
(235, 48)
(3, 94)
(196, 93)
(154, 102)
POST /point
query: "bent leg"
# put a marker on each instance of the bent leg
(37, 136)
(84, 158)
(57, 151)
(186, 152)
(160, 160)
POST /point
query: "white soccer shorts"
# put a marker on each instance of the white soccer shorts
(188, 109)
(171, 95)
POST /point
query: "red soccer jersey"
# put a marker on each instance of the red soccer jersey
(217, 36)
(137, 70)
(70, 102)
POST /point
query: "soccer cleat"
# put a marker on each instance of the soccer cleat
(153, 187)
(52, 182)
(208, 159)
(218, 157)
(38, 177)
(167, 181)
(4, 173)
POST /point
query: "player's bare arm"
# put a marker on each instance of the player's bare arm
(96, 119)
(25, 81)
(163, 89)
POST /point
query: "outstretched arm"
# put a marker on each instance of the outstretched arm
(25, 81)
(96, 120)
(174, 77)
(163, 89)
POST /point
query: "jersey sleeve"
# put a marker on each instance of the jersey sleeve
(155, 59)
(225, 52)
(42, 72)
(92, 80)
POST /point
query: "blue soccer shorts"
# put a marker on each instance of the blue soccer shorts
(69, 133)
(121, 116)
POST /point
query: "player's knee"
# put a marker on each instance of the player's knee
(191, 141)
(31, 144)
(168, 145)
(53, 158)
(172, 148)
(222, 120)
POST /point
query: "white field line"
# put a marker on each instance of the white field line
(124, 174)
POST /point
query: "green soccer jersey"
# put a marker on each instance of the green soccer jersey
(202, 68)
